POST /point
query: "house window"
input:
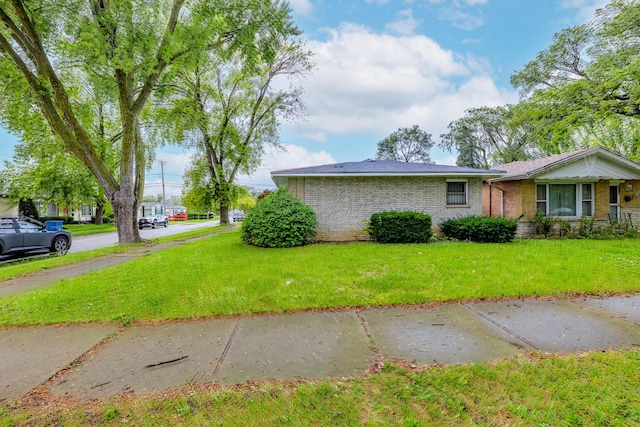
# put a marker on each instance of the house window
(456, 193)
(587, 200)
(614, 202)
(52, 209)
(565, 199)
(541, 198)
(86, 210)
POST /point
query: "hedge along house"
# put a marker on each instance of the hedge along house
(344, 195)
(593, 183)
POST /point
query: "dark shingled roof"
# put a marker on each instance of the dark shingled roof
(384, 167)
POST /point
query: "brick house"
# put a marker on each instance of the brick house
(344, 195)
(591, 182)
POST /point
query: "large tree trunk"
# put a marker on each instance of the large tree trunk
(125, 208)
(224, 214)
(99, 214)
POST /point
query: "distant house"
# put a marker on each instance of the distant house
(6, 210)
(81, 214)
(344, 195)
(593, 183)
(156, 208)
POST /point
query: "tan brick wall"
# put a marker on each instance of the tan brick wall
(6, 209)
(343, 204)
(631, 207)
(504, 199)
(601, 195)
(296, 187)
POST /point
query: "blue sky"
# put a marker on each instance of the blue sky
(385, 64)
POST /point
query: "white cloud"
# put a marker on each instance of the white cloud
(375, 83)
(586, 8)
(446, 160)
(475, 2)
(303, 7)
(378, 2)
(405, 24)
(293, 156)
(460, 19)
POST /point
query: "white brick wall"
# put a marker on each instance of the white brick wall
(343, 204)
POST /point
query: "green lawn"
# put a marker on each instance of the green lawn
(222, 276)
(86, 229)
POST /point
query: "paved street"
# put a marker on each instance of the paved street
(95, 241)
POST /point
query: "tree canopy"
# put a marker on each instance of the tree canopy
(406, 145)
(487, 136)
(228, 108)
(585, 87)
(85, 71)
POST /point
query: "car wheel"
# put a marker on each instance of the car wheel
(154, 225)
(60, 245)
(166, 223)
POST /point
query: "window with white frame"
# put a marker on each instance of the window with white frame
(456, 192)
(561, 199)
(614, 202)
(86, 210)
(52, 209)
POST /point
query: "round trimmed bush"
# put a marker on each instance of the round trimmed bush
(279, 221)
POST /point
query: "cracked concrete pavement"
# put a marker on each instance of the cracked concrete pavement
(97, 360)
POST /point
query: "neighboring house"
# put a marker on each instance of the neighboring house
(156, 208)
(344, 195)
(6, 210)
(82, 214)
(592, 182)
(150, 208)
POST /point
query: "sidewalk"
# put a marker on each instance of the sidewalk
(97, 361)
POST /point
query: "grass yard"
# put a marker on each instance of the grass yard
(222, 276)
(86, 229)
(594, 389)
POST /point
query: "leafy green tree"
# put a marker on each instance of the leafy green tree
(486, 136)
(585, 86)
(46, 173)
(77, 67)
(229, 108)
(406, 145)
(197, 195)
(26, 207)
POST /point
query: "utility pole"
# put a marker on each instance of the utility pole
(164, 198)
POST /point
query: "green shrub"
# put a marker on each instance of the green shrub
(480, 229)
(543, 224)
(400, 227)
(279, 221)
(64, 219)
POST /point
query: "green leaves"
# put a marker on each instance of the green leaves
(406, 145)
(400, 227)
(279, 221)
(487, 136)
(586, 85)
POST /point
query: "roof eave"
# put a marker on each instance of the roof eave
(385, 174)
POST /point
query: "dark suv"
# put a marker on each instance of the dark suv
(26, 236)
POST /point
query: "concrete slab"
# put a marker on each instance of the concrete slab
(307, 345)
(559, 326)
(149, 360)
(448, 334)
(30, 356)
(623, 307)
